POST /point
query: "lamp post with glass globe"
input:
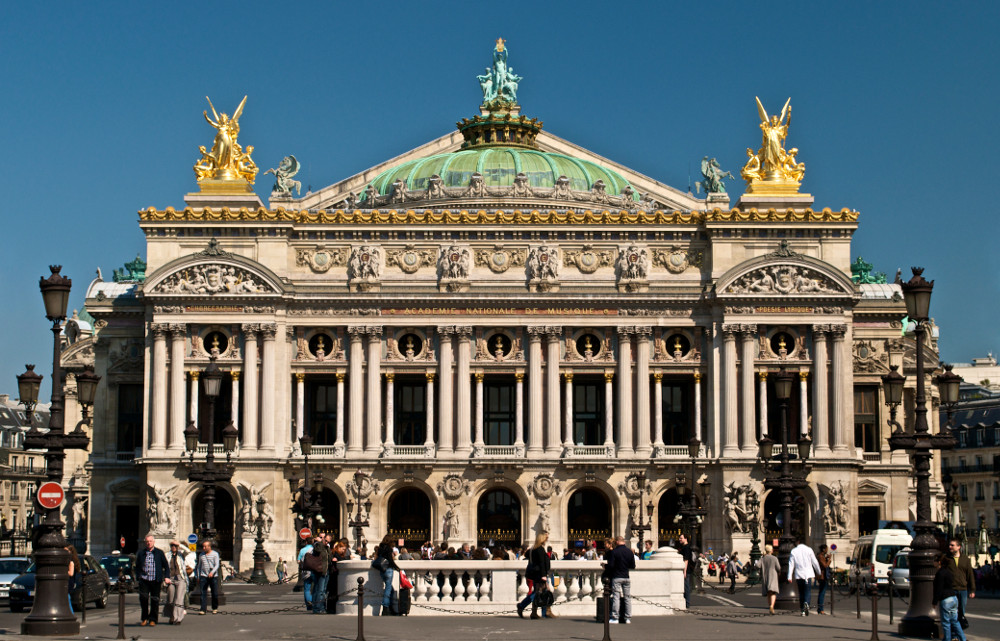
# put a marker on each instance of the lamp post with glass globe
(307, 508)
(920, 619)
(258, 575)
(359, 521)
(786, 482)
(50, 612)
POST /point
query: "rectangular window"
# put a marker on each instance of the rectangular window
(322, 419)
(980, 495)
(588, 411)
(410, 411)
(14, 490)
(866, 420)
(129, 417)
(499, 418)
(963, 491)
(677, 414)
(996, 489)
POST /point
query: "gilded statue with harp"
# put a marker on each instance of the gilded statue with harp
(226, 161)
(773, 169)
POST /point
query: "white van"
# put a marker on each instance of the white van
(873, 556)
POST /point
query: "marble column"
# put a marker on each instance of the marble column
(821, 407)
(446, 429)
(568, 411)
(730, 385)
(268, 390)
(519, 409)
(355, 376)
(373, 437)
(193, 397)
(762, 384)
(480, 440)
(804, 402)
(390, 418)
(429, 428)
(178, 389)
(250, 380)
(697, 409)
(300, 404)
(234, 408)
(625, 391)
(748, 396)
(536, 414)
(643, 447)
(553, 341)
(463, 392)
(841, 378)
(158, 420)
(658, 411)
(609, 409)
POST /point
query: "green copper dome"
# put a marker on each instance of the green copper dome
(499, 165)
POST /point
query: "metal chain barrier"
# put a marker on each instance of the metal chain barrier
(743, 588)
(717, 615)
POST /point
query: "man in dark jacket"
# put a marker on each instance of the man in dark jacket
(619, 562)
(153, 570)
(965, 578)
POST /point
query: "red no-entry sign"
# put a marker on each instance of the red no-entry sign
(50, 495)
(305, 533)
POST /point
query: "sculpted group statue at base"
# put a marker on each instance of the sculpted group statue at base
(773, 170)
(226, 161)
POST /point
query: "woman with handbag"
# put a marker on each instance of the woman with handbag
(385, 564)
(536, 575)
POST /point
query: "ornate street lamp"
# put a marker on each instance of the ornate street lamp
(50, 613)
(258, 575)
(307, 506)
(692, 513)
(893, 383)
(949, 385)
(207, 473)
(753, 507)
(359, 521)
(636, 506)
(785, 482)
(920, 619)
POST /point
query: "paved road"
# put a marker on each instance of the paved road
(716, 616)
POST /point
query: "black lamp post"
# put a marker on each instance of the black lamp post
(643, 525)
(786, 483)
(692, 513)
(50, 613)
(753, 507)
(307, 507)
(258, 575)
(920, 619)
(359, 521)
(207, 473)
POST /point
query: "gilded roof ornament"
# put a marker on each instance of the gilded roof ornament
(773, 170)
(227, 167)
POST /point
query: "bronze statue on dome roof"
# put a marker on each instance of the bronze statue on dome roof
(499, 83)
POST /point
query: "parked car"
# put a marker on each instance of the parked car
(901, 570)
(873, 556)
(123, 563)
(10, 568)
(22, 589)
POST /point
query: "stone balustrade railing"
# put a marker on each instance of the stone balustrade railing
(495, 587)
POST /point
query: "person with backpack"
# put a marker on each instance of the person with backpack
(317, 562)
(385, 563)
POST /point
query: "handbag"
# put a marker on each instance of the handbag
(313, 562)
(404, 581)
(380, 563)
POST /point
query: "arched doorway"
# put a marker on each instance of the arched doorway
(410, 517)
(224, 520)
(588, 516)
(498, 519)
(773, 521)
(330, 513)
(668, 525)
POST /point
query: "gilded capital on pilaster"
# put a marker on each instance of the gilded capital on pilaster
(269, 330)
(194, 374)
(609, 377)
(519, 377)
(568, 377)
(390, 377)
(479, 376)
(762, 375)
(803, 375)
(300, 377)
(657, 377)
(235, 375)
(697, 377)
(341, 377)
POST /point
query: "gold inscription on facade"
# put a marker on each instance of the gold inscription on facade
(784, 310)
(213, 308)
(500, 311)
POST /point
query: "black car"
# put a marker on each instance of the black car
(123, 563)
(22, 589)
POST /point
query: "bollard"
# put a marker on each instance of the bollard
(874, 636)
(361, 609)
(891, 585)
(857, 589)
(607, 610)
(121, 605)
(833, 590)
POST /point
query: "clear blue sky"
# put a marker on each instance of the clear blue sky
(895, 115)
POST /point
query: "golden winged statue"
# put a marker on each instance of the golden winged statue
(226, 161)
(773, 169)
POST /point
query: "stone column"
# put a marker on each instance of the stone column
(658, 411)
(625, 391)
(390, 418)
(535, 391)
(446, 429)
(355, 376)
(463, 392)
(519, 409)
(568, 411)
(480, 443)
(234, 409)
(762, 377)
(840, 379)
(821, 408)
(554, 411)
(193, 397)
(250, 380)
(748, 413)
(178, 390)
(373, 438)
(729, 385)
(803, 402)
(697, 409)
(339, 443)
(158, 421)
(642, 334)
(609, 409)
(429, 440)
(268, 387)
(300, 405)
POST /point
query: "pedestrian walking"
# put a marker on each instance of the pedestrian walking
(685, 551)
(825, 574)
(965, 578)
(620, 562)
(803, 566)
(209, 565)
(769, 569)
(151, 564)
(174, 610)
(946, 599)
(74, 576)
(733, 567)
(385, 563)
(536, 574)
(723, 567)
(281, 569)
